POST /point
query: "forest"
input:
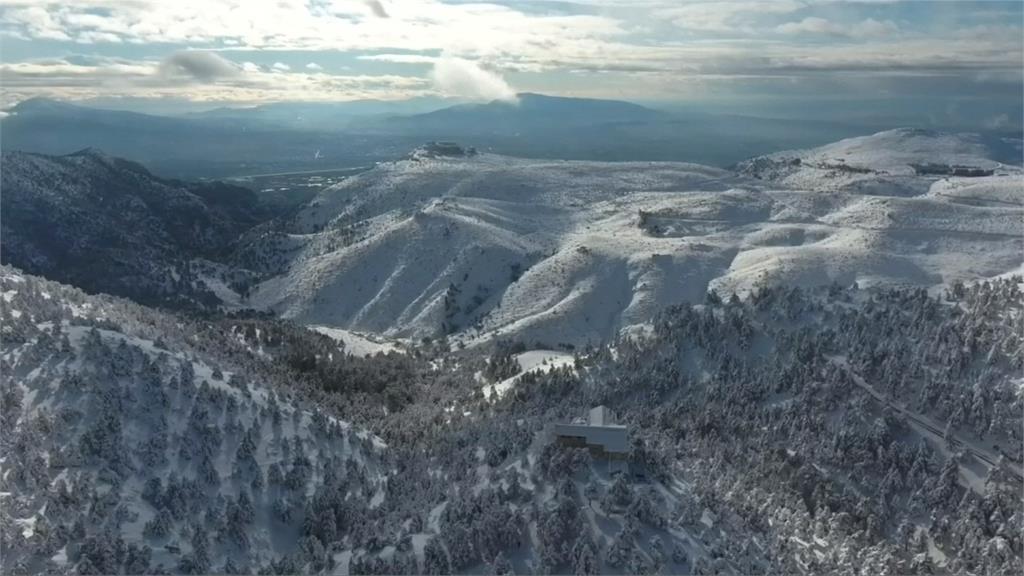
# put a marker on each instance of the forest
(832, 430)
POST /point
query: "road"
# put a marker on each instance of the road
(348, 170)
(927, 424)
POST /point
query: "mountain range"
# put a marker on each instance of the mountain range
(483, 246)
(287, 137)
(814, 354)
(454, 242)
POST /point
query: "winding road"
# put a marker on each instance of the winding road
(925, 423)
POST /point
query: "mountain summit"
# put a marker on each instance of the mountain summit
(528, 112)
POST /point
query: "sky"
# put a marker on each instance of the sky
(216, 52)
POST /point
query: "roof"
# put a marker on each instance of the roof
(598, 430)
(599, 416)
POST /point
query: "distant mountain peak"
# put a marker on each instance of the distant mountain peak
(97, 156)
(40, 104)
(92, 152)
(442, 149)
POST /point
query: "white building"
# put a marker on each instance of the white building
(598, 432)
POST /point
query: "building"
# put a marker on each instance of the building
(597, 432)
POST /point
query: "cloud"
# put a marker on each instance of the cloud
(726, 17)
(597, 47)
(998, 121)
(463, 78)
(869, 28)
(810, 25)
(35, 22)
(314, 66)
(872, 28)
(466, 29)
(79, 78)
(280, 67)
(399, 58)
(377, 8)
(198, 66)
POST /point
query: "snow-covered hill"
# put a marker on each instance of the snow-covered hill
(108, 225)
(798, 431)
(561, 252)
(132, 446)
(887, 163)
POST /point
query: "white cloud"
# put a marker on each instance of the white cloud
(726, 16)
(869, 28)
(399, 58)
(35, 22)
(998, 121)
(663, 45)
(314, 66)
(115, 78)
(280, 67)
(463, 78)
(469, 30)
(810, 25)
(872, 28)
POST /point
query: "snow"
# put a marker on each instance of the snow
(357, 344)
(544, 360)
(531, 361)
(41, 379)
(936, 554)
(927, 427)
(28, 526)
(221, 290)
(552, 253)
(707, 518)
(341, 561)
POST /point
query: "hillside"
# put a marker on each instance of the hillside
(108, 225)
(800, 431)
(137, 442)
(887, 163)
(480, 246)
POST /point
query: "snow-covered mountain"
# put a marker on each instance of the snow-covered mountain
(108, 225)
(451, 241)
(799, 431)
(887, 163)
(137, 442)
(526, 113)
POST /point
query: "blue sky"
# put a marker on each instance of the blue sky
(216, 52)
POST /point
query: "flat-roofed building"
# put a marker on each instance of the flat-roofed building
(597, 432)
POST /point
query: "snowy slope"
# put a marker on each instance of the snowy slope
(122, 451)
(886, 163)
(108, 225)
(130, 453)
(551, 253)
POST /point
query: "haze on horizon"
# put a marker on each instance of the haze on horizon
(951, 63)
